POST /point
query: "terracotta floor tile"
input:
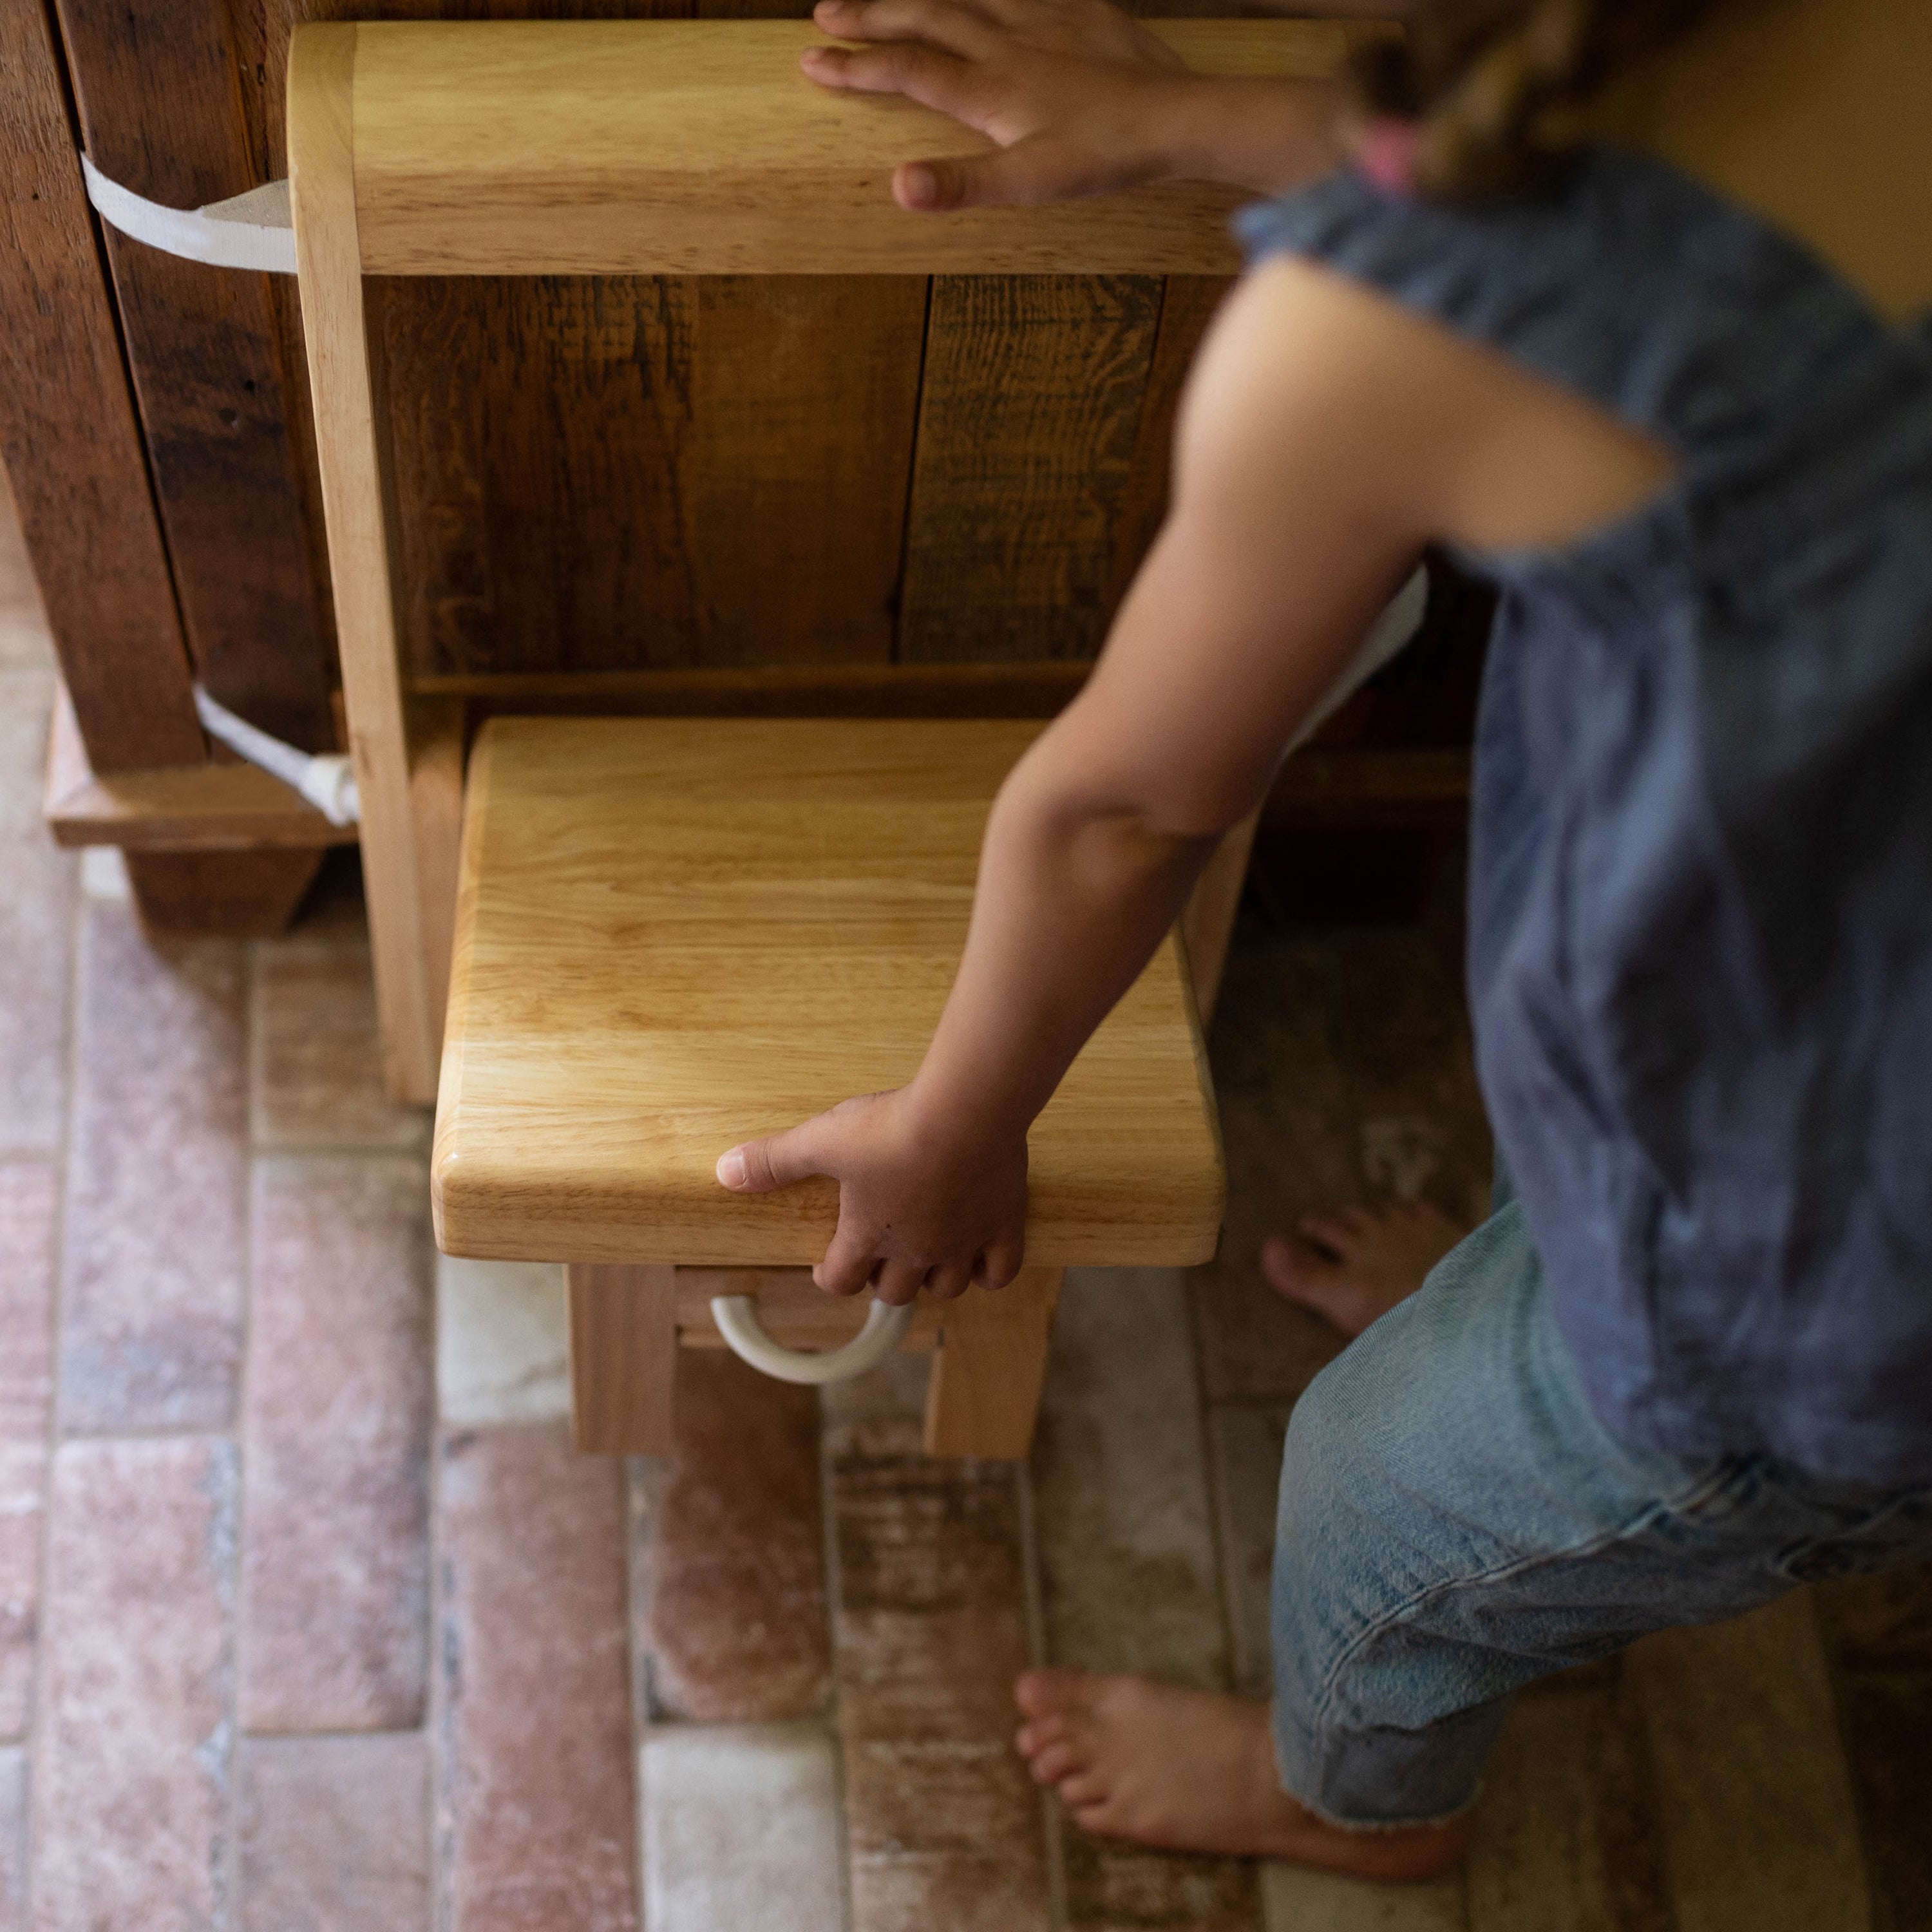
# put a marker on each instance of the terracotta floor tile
(316, 1073)
(741, 1829)
(335, 1834)
(943, 1825)
(1296, 1900)
(151, 1276)
(1245, 1440)
(1888, 1720)
(1111, 1886)
(1760, 1823)
(12, 1839)
(335, 1535)
(1567, 1833)
(27, 1199)
(131, 1754)
(29, 1196)
(502, 1343)
(37, 901)
(1127, 1542)
(23, 1483)
(536, 1781)
(1127, 1566)
(730, 1598)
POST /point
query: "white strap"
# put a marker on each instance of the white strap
(1388, 636)
(327, 781)
(253, 230)
(737, 1316)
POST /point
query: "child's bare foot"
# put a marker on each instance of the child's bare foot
(1351, 1265)
(1194, 1771)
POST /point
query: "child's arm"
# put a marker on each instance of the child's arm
(1326, 435)
(1082, 99)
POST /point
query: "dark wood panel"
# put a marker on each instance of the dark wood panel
(773, 691)
(69, 435)
(160, 99)
(541, 430)
(1028, 421)
(240, 894)
(1188, 305)
(807, 390)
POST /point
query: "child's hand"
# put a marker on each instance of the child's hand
(919, 1206)
(1073, 91)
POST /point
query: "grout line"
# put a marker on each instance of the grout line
(635, 1475)
(437, 1719)
(63, 1160)
(828, 1533)
(230, 1895)
(1050, 1822)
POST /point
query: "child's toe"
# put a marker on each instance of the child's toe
(1043, 1693)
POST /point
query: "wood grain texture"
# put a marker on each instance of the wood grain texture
(158, 95)
(181, 808)
(597, 473)
(1028, 419)
(623, 1361)
(807, 389)
(673, 935)
(775, 690)
(1188, 304)
(357, 492)
(1207, 925)
(436, 818)
(251, 892)
(744, 166)
(984, 1396)
(545, 476)
(70, 436)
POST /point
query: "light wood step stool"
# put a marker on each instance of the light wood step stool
(673, 935)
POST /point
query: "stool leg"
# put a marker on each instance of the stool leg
(990, 1366)
(623, 1358)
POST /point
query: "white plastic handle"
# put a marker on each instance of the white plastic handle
(737, 1316)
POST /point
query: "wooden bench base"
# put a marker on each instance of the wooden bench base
(627, 1323)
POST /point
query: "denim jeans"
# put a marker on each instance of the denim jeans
(1455, 1522)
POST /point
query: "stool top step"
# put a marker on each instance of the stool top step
(696, 147)
(675, 934)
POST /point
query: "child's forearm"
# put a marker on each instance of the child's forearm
(1268, 136)
(1071, 902)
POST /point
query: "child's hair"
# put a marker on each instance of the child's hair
(1498, 90)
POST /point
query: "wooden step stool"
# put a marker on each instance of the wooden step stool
(675, 934)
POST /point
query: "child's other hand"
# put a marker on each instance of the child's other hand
(919, 1206)
(1072, 91)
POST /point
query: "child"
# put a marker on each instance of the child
(1621, 299)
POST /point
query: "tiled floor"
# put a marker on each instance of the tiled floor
(309, 1619)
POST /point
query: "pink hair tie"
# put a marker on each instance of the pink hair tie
(1386, 152)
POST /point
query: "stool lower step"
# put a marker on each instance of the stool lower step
(627, 1322)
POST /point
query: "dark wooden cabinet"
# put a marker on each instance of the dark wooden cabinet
(602, 478)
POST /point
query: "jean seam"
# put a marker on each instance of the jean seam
(1707, 1483)
(1796, 1553)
